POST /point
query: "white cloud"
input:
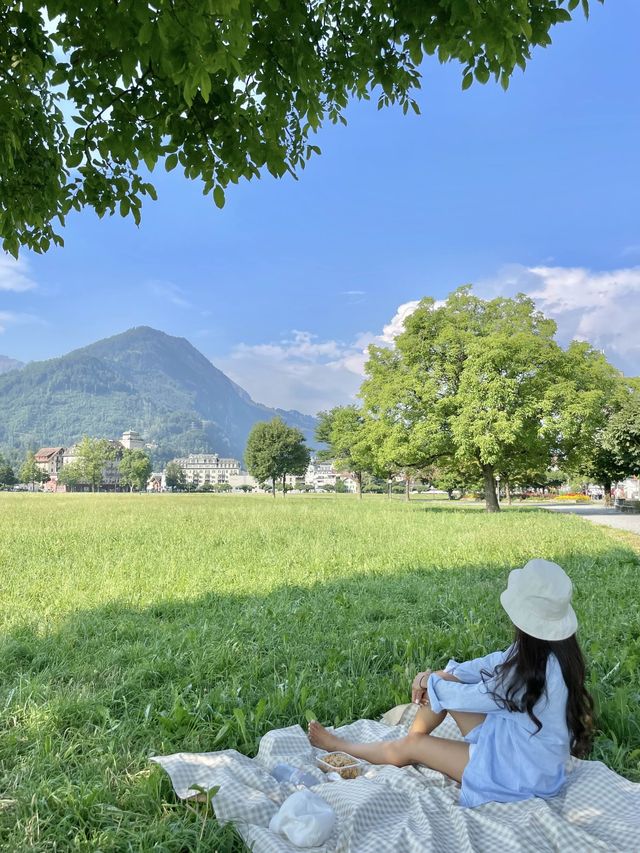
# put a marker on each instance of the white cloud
(14, 275)
(602, 307)
(304, 372)
(10, 318)
(396, 326)
(300, 372)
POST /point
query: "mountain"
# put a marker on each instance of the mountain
(7, 364)
(142, 379)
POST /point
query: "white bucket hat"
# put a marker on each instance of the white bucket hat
(538, 601)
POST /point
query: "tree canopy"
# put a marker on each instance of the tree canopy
(7, 474)
(613, 453)
(349, 440)
(30, 471)
(91, 92)
(174, 476)
(275, 450)
(92, 454)
(135, 469)
(483, 387)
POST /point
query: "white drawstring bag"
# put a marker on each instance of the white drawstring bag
(305, 819)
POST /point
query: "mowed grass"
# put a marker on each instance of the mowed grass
(141, 625)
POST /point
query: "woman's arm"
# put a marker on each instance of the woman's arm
(449, 694)
(469, 671)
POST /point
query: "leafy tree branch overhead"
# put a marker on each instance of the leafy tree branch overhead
(90, 91)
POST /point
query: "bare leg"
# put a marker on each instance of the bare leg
(447, 756)
(466, 720)
(426, 720)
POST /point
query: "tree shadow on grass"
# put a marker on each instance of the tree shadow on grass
(455, 507)
(86, 705)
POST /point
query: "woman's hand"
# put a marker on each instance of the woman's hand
(419, 688)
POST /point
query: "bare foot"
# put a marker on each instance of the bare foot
(320, 737)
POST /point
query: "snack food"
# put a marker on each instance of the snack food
(340, 762)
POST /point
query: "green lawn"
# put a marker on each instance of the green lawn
(135, 625)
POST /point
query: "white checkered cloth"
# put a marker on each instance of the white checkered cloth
(410, 809)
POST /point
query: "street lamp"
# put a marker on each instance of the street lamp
(498, 487)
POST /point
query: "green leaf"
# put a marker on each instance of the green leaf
(74, 159)
(218, 196)
(222, 731)
(467, 80)
(171, 162)
(310, 716)
(145, 32)
(205, 87)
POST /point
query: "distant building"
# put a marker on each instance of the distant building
(631, 488)
(242, 480)
(132, 440)
(320, 474)
(156, 482)
(201, 468)
(351, 484)
(50, 460)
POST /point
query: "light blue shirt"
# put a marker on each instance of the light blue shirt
(510, 760)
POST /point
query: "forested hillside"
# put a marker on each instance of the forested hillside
(142, 379)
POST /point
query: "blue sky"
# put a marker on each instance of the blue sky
(535, 189)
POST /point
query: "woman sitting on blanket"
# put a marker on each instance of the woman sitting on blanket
(522, 712)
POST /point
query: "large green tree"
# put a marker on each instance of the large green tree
(135, 469)
(394, 437)
(222, 88)
(275, 450)
(72, 475)
(483, 387)
(623, 435)
(174, 476)
(350, 442)
(93, 454)
(614, 451)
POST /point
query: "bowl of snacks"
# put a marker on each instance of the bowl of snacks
(345, 765)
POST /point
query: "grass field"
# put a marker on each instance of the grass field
(138, 625)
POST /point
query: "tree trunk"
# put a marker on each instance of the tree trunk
(359, 484)
(389, 484)
(407, 484)
(284, 485)
(607, 492)
(490, 497)
(507, 490)
(273, 486)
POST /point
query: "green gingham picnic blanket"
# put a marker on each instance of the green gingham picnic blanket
(410, 809)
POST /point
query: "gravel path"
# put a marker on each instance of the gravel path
(603, 515)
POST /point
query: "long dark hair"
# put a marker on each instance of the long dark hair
(524, 674)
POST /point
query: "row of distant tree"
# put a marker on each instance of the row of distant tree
(87, 467)
(473, 393)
